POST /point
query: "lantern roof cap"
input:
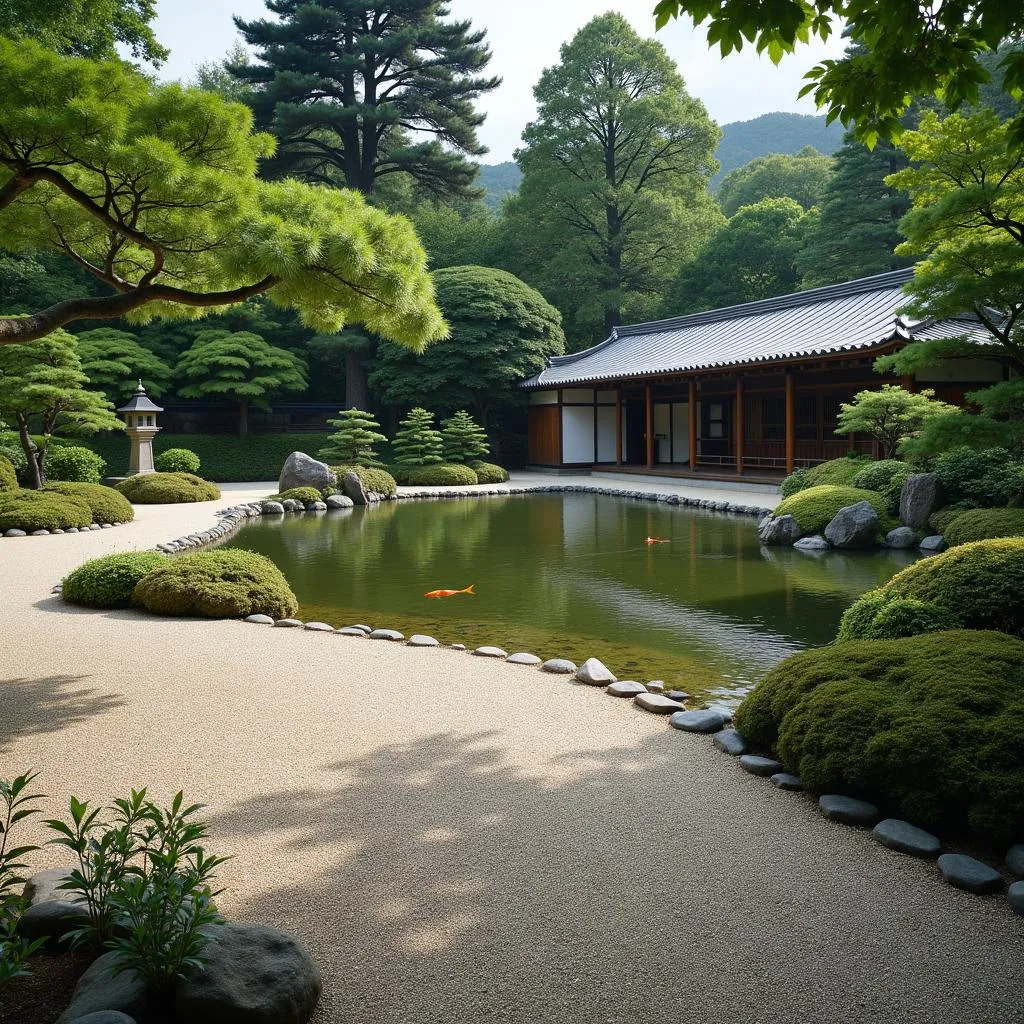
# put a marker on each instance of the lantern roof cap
(140, 402)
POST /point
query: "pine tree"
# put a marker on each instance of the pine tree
(353, 443)
(417, 443)
(464, 439)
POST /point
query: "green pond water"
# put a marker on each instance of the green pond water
(569, 575)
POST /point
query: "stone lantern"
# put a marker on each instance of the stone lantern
(140, 425)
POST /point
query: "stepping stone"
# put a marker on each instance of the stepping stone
(488, 652)
(559, 666)
(968, 873)
(625, 688)
(907, 838)
(848, 810)
(595, 673)
(763, 766)
(790, 783)
(386, 634)
(729, 741)
(419, 640)
(1016, 895)
(352, 631)
(522, 658)
(319, 627)
(697, 721)
(658, 703)
(263, 620)
(364, 629)
(1015, 860)
(656, 686)
(679, 695)
(288, 623)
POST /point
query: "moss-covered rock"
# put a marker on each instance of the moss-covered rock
(380, 481)
(489, 473)
(217, 585)
(167, 489)
(107, 504)
(445, 475)
(108, 582)
(929, 727)
(815, 507)
(306, 495)
(42, 510)
(985, 523)
(8, 475)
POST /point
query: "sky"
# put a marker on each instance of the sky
(525, 36)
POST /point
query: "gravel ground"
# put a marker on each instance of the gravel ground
(460, 840)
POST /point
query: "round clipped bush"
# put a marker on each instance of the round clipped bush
(885, 476)
(928, 727)
(985, 523)
(167, 489)
(899, 617)
(796, 481)
(303, 494)
(177, 460)
(108, 582)
(42, 510)
(989, 478)
(489, 473)
(69, 462)
(373, 478)
(815, 507)
(107, 505)
(452, 475)
(217, 585)
(939, 521)
(8, 475)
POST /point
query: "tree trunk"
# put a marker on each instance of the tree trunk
(243, 417)
(36, 476)
(357, 388)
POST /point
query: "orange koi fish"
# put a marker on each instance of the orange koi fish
(656, 540)
(450, 593)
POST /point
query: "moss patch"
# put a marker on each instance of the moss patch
(815, 507)
(42, 510)
(107, 505)
(167, 489)
(306, 495)
(108, 582)
(984, 524)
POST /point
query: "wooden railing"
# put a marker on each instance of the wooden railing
(772, 454)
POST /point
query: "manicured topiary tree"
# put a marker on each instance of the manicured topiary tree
(353, 443)
(464, 439)
(890, 415)
(417, 443)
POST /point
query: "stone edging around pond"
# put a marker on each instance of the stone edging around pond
(53, 533)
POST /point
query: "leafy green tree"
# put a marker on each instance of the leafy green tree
(890, 415)
(355, 441)
(35, 280)
(456, 236)
(417, 442)
(752, 257)
(464, 440)
(42, 387)
(802, 177)
(615, 170)
(240, 366)
(913, 49)
(114, 362)
(502, 332)
(152, 189)
(215, 76)
(346, 86)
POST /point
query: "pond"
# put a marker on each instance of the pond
(570, 575)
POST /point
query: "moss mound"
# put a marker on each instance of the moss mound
(450, 475)
(306, 495)
(876, 618)
(380, 481)
(815, 507)
(108, 506)
(217, 585)
(108, 582)
(167, 489)
(939, 521)
(42, 510)
(8, 475)
(984, 524)
(489, 473)
(929, 726)
(837, 471)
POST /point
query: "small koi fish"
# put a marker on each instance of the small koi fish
(450, 593)
(656, 540)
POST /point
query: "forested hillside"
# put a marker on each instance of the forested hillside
(498, 181)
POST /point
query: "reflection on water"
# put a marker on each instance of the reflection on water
(569, 575)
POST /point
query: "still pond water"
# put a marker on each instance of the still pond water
(569, 575)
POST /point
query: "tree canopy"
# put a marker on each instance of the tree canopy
(114, 362)
(802, 177)
(152, 189)
(891, 415)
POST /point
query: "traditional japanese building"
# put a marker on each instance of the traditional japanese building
(752, 389)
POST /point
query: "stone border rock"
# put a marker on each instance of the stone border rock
(14, 532)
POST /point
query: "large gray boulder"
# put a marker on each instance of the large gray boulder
(353, 488)
(779, 530)
(920, 497)
(901, 537)
(52, 912)
(855, 526)
(302, 470)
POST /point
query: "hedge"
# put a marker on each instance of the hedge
(928, 727)
(167, 489)
(108, 582)
(489, 473)
(445, 475)
(380, 481)
(8, 475)
(815, 507)
(42, 510)
(217, 585)
(985, 523)
(107, 505)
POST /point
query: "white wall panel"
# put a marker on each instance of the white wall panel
(578, 433)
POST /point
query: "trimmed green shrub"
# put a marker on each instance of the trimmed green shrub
(42, 510)
(989, 478)
(417, 442)
(217, 585)
(815, 507)
(75, 464)
(306, 495)
(985, 523)
(356, 439)
(836, 471)
(885, 476)
(464, 439)
(882, 619)
(177, 460)
(929, 727)
(796, 481)
(107, 505)
(939, 521)
(8, 475)
(108, 582)
(489, 473)
(375, 479)
(441, 476)
(167, 489)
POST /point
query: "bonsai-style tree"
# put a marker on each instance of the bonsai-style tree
(353, 443)
(891, 415)
(42, 385)
(114, 362)
(240, 366)
(464, 439)
(417, 443)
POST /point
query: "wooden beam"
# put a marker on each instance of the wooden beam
(739, 424)
(692, 409)
(790, 424)
(650, 427)
(618, 425)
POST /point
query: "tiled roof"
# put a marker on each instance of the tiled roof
(845, 317)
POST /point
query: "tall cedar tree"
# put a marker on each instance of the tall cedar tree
(464, 439)
(417, 442)
(354, 443)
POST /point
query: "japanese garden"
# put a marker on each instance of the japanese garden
(498, 522)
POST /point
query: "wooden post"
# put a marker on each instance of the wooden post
(618, 425)
(692, 409)
(790, 424)
(907, 382)
(739, 424)
(650, 427)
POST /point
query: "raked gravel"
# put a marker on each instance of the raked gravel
(459, 840)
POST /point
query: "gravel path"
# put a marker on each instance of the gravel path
(465, 841)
